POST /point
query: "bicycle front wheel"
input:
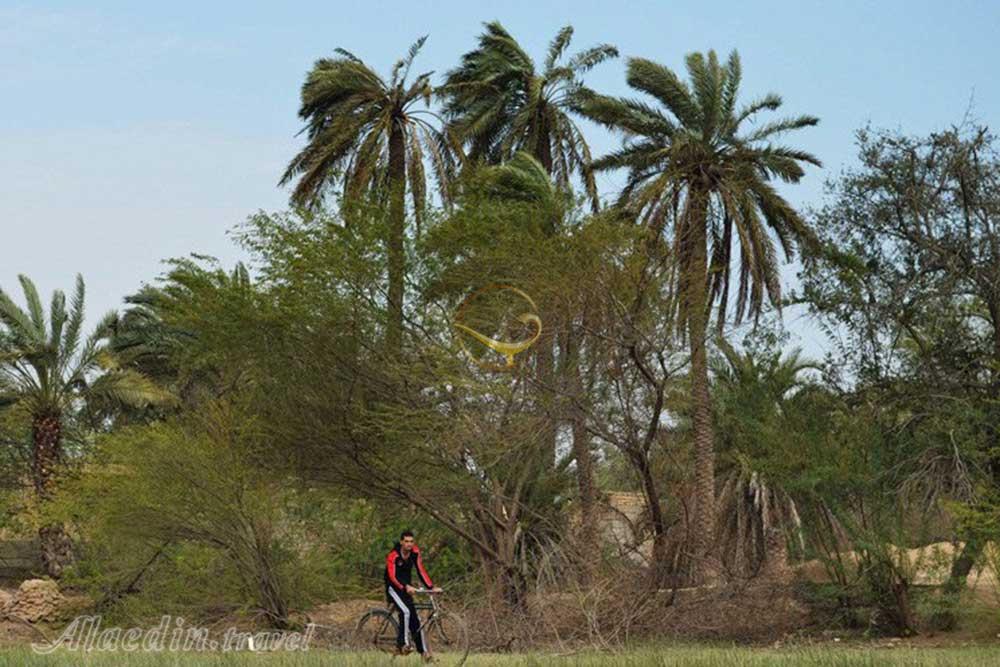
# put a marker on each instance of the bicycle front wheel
(377, 630)
(449, 634)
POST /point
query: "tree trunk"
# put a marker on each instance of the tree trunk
(945, 618)
(504, 580)
(660, 567)
(705, 563)
(543, 145)
(55, 545)
(585, 482)
(581, 444)
(546, 358)
(396, 234)
(775, 565)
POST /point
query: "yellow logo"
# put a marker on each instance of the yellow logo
(489, 308)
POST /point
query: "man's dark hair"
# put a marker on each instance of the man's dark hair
(404, 534)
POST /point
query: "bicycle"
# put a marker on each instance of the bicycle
(378, 629)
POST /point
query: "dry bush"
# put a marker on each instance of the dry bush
(578, 601)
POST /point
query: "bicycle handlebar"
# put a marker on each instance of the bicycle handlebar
(428, 591)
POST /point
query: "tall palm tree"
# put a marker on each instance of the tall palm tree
(497, 103)
(692, 162)
(367, 133)
(50, 370)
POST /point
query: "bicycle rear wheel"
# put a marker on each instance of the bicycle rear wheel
(449, 634)
(377, 630)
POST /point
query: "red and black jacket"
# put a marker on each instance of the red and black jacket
(399, 570)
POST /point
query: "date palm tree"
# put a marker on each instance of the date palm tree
(367, 133)
(498, 102)
(759, 389)
(692, 162)
(48, 369)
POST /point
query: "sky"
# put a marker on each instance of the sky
(134, 132)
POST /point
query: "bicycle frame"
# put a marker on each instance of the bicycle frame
(419, 606)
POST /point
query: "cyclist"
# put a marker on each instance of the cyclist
(399, 566)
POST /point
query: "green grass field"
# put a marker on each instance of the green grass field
(646, 657)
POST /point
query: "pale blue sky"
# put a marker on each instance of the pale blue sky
(131, 132)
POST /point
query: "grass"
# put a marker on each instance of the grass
(700, 656)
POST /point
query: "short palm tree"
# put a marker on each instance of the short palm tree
(154, 334)
(758, 513)
(691, 161)
(48, 369)
(523, 180)
(369, 134)
(497, 103)
(771, 379)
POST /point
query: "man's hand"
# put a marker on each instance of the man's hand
(436, 589)
(410, 589)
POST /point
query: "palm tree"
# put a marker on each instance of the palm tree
(45, 370)
(690, 161)
(367, 132)
(758, 512)
(497, 103)
(155, 336)
(771, 379)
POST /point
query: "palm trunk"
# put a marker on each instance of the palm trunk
(581, 444)
(703, 530)
(54, 543)
(543, 148)
(546, 354)
(397, 226)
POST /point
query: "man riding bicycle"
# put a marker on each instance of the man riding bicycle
(399, 566)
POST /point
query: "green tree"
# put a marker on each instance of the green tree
(497, 102)
(908, 282)
(50, 371)
(367, 132)
(690, 162)
(192, 500)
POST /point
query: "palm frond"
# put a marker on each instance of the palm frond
(20, 328)
(57, 318)
(778, 127)
(127, 388)
(35, 310)
(558, 46)
(71, 337)
(587, 59)
(663, 84)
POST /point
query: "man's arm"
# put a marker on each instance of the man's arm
(424, 577)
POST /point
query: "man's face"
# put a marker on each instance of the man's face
(407, 543)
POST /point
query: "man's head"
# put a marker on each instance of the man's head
(406, 540)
